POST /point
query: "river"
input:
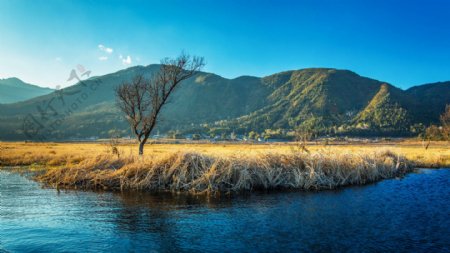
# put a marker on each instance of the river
(401, 215)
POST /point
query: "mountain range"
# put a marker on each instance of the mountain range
(14, 90)
(331, 101)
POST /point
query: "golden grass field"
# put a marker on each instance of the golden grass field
(220, 167)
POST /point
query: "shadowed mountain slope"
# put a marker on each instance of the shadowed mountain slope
(14, 90)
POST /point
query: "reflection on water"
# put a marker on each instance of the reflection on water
(409, 214)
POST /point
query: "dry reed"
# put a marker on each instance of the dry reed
(199, 173)
(219, 168)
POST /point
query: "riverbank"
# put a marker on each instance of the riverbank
(212, 168)
(378, 217)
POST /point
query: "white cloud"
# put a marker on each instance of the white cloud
(103, 58)
(105, 49)
(126, 61)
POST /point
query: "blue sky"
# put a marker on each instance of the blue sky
(401, 42)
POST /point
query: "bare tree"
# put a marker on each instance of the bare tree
(143, 98)
(445, 121)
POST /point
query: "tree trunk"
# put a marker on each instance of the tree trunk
(141, 148)
(142, 143)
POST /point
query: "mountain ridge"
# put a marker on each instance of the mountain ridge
(15, 90)
(332, 100)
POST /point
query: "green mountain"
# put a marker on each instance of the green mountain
(14, 90)
(435, 95)
(386, 110)
(330, 100)
(327, 96)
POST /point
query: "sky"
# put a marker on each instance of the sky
(404, 43)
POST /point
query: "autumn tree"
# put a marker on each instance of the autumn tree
(142, 99)
(445, 122)
(439, 133)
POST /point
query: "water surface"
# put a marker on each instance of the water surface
(411, 214)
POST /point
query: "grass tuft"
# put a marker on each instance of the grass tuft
(199, 173)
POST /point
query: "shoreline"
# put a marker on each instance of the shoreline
(200, 174)
(215, 168)
(31, 175)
